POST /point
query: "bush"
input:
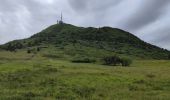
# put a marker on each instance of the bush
(83, 60)
(13, 46)
(32, 50)
(126, 61)
(38, 49)
(112, 60)
(28, 51)
(116, 60)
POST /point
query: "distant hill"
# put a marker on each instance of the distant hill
(71, 41)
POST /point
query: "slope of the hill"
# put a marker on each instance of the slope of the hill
(73, 40)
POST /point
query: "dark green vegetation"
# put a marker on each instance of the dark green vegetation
(65, 62)
(83, 60)
(100, 42)
(116, 60)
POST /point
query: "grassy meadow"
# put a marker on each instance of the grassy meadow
(26, 76)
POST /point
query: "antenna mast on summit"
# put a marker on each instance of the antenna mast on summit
(61, 16)
(61, 20)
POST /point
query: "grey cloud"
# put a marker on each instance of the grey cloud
(84, 6)
(23, 18)
(147, 13)
(162, 37)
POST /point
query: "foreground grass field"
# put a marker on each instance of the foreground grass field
(53, 79)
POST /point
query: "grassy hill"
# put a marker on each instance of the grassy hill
(73, 41)
(40, 67)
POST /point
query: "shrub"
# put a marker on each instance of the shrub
(112, 60)
(10, 47)
(116, 60)
(28, 51)
(83, 60)
(126, 61)
(32, 50)
(38, 49)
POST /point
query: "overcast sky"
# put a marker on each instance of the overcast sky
(147, 19)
